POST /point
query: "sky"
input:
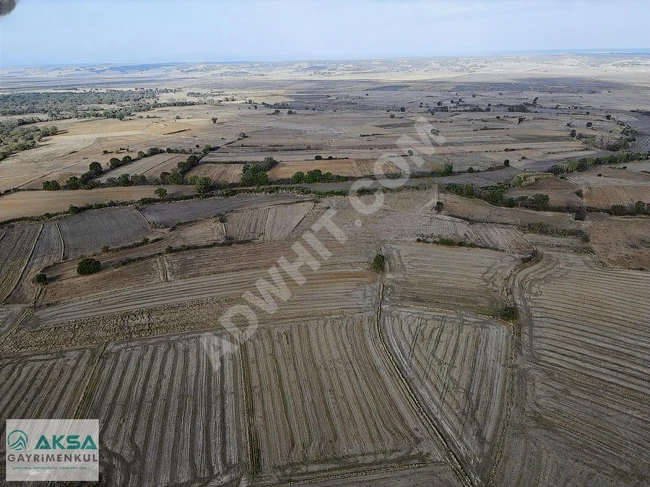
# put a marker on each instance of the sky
(50, 32)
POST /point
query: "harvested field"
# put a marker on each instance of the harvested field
(586, 378)
(9, 314)
(85, 233)
(274, 223)
(606, 196)
(43, 386)
(150, 166)
(162, 399)
(305, 379)
(48, 250)
(459, 368)
(219, 173)
(75, 287)
(436, 277)
(16, 247)
(344, 167)
(38, 203)
(169, 214)
(187, 304)
(480, 211)
(622, 242)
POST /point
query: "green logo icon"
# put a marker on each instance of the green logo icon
(17, 440)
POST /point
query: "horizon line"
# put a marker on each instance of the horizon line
(630, 50)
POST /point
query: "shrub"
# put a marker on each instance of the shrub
(318, 158)
(40, 279)
(470, 170)
(639, 207)
(51, 186)
(88, 266)
(298, 178)
(506, 163)
(378, 263)
(95, 168)
(618, 210)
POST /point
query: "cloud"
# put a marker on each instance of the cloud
(7, 6)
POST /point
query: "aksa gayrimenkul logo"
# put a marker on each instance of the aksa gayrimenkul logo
(52, 450)
(17, 440)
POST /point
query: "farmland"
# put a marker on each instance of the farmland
(456, 334)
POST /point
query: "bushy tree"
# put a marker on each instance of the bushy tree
(161, 193)
(175, 177)
(639, 207)
(40, 279)
(378, 263)
(618, 210)
(203, 185)
(314, 176)
(88, 266)
(254, 175)
(298, 178)
(51, 186)
(114, 162)
(95, 167)
(73, 183)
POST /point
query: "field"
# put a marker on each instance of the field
(113, 227)
(431, 340)
(219, 173)
(150, 166)
(38, 203)
(16, 247)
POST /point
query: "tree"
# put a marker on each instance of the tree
(88, 266)
(51, 186)
(318, 158)
(590, 124)
(618, 210)
(114, 162)
(539, 202)
(470, 170)
(40, 279)
(254, 175)
(298, 178)
(161, 193)
(95, 167)
(164, 177)
(574, 133)
(124, 180)
(203, 185)
(141, 155)
(314, 176)
(639, 207)
(214, 119)
(378, 263)
(73, 183)
(506, 163)
(126, 159)
(402, 109)
(608, 116)
(175, 177)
